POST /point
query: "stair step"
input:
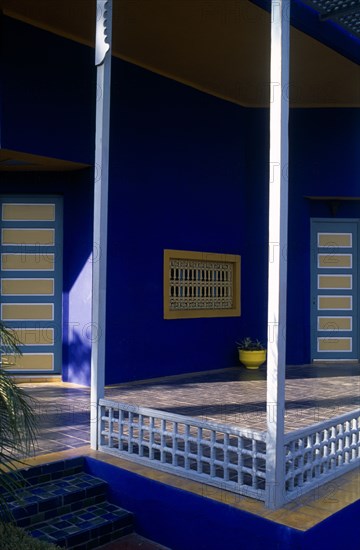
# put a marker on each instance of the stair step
(86, 528)
(35, 475)
(60, 503)
(53, 470)
(40, 502)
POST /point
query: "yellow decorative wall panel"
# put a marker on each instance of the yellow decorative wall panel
(335, 281)
(334, 323)
(335, 260)
(201, 284)
(35, 336)
(20, 237)
(29, 361)
(25, 287)
(27, 262)
(334, 344)
(334, 302)
(26, 312)
(28, 212)
(335, 240)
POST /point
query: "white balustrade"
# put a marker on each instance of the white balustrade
(224, 456)
(321, 452)
(228, 457)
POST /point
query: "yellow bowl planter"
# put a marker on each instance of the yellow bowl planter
(252, 359)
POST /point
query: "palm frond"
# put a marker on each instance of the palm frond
(9, 341)
(17, 424)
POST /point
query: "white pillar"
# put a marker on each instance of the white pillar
(103, 63)
(277, 283)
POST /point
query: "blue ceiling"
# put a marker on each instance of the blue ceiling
(335, 23)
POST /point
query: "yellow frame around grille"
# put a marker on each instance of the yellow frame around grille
(216, 294)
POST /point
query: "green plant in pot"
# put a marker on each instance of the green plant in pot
(252, 353)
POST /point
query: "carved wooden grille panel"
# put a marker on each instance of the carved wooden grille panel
(321, 452)
(201, 284)
(218, 455)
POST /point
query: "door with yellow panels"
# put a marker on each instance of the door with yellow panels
(334, 290)
(31, 281)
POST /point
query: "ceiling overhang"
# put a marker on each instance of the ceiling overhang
(216, 46)
(346, 13)
(334, 23)
(17, 161)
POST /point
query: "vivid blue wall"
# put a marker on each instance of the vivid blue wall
(177, 180)
(48, 93)
(187, 171)
(324, 161)
(180, 519)
(76, 190)
(47, 87)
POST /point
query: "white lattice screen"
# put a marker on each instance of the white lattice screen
(228, 457)
(321, 452)
(218, 455)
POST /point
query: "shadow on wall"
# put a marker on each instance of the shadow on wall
(79, 330)
(79, 353)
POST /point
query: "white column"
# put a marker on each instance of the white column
(278, 220)
(103, 63)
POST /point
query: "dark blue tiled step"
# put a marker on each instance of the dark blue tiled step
(36, 503)
(47, 472)
(86, 528)
(53, 470)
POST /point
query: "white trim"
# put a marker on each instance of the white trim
(334, 308)
(334, 275)
(329, 360)
(28, 204)
(28, 304)
(331, 449)
(30, 370)
(334, 266)
(25, 229)
(101, 184)
(208, 452)
(334, 245)
(277, 265)
(34, 329)
(333, 329)
(334, 350)
(28, 279)
(27, 254)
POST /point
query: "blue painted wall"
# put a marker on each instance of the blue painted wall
(188, 171)
(180, 519)
(177, 180)
(76, 190)
(48, 93)
(324, 161)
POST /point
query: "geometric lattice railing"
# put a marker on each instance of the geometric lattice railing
(321, 452)
(224, 456)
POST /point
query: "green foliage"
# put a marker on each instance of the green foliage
(17, 422)
(248, 344)
(14, 538)
(9, 343)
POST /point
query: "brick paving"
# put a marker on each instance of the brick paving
(234, 396)
(238, 396)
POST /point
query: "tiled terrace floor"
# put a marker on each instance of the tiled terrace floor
(233, 396)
